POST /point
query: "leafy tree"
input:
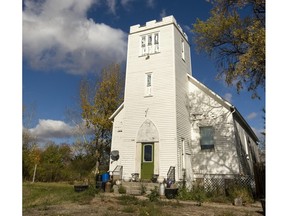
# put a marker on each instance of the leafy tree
(29, 143)
(97, 106)
(55, 161)
(234, 36)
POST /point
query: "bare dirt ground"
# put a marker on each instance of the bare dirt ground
(106, 205)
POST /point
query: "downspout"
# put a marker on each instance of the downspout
(234, 110)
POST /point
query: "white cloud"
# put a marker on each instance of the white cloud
(126, 2)
(47, 128)
(163, 13)
(228, 97)
(50, 129)
(187, 29)
(112, 6)
(151, 3)
(58, 35)
(252, 115)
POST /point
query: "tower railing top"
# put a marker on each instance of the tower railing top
(153, 24)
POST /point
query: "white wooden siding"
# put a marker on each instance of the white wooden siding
(182, 68)
(175, 116)
(208, 112)
(160, 108)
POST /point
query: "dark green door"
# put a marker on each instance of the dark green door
(147, 162)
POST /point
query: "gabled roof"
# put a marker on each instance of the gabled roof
(226, 104)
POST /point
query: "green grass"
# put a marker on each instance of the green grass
(45, 194)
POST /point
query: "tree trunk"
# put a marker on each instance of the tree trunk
(34, 174)
(97, 162)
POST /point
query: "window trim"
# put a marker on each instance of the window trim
(152, 153)
(207, 146)
(149, 45)
(148, 88)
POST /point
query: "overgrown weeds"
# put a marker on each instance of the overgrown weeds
(237, 191)
(142, 207)
(199, 194)
(45, 194)
(154, 195)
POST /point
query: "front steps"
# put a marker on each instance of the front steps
(138, 188)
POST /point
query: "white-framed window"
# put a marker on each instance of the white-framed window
(150, 40)
(143, 45)
(149, 44)
(150, 47)
(207, 137)
(148, 153)
(156, 42)
(148, 84)
(183, 49)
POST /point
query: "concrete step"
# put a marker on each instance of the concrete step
(135, 188)
(134, 192)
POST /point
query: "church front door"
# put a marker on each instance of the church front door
(147, 161)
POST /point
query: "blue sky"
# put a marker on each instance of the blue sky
(63, 41)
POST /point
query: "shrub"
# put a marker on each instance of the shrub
(122, 189)
(199, 194)
(184, 193)
(154, 195)
(238, 191)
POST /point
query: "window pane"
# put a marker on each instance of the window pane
(149, 39)
(143, 41)
(148, 80)
(148, 154)
(156, 38)
(206, 137)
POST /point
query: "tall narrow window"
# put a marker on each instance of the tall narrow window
(150, 44)
(156, 38)
(143, 45)
(182, 49)
(147, 153)
(156, 42)
(148, 91)
(149, 40)
(207, 137)
(149, 76)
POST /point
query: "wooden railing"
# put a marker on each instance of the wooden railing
(117, 172)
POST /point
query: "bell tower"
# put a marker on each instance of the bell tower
(156, 85)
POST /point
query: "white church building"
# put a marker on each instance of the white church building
(170, 124)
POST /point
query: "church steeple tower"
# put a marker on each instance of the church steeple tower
(158, 60)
